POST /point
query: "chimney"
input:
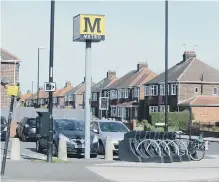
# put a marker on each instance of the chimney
(67, 83)
(142, 65)
(84, 79)
(188, 54)
(110, 73)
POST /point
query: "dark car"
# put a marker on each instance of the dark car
(3, 127)
(73, 132)
(26, 130)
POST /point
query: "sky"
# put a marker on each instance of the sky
(134, 33)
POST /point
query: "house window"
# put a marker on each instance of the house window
(153, 90)
(153, 109)
(215, 91)
(136, 112)
(121, 93)
(66, 98)
(146, 91)
(113, 94)
(113, 111)
(70, 98)
(93, 111)
(119, 112)
(94, 97)
(106, 94)
(196, 90)
(173, 89)
(162, 89)
(126, 93)
(136, 92)
(162, 108)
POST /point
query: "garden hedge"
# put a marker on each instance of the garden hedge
(178, 120)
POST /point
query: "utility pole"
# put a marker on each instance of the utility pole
(166, 65)
(38, 74)
(32, 94)
(50, 138)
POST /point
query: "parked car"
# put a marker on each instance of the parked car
(26, 130)
(109, 128)
(3, 128)
(73, 132)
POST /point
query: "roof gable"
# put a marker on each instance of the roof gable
(173, 73)
(103, 83)
(7, 56)
(198, 68)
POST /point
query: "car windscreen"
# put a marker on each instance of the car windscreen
(112, 127)
(67, 124)
(31, 122)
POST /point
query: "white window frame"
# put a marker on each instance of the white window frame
(106, 94)
(113, 94)
(136, 92)
(136, 112)
(146, 91)
(126, 93)
(173, 89)
(153, 109)
(162, 108)
(119, 111)
(113, 111)
(54, 100)
(70, 98)
(94, 96)
(93, 110)
(215, 89)
(195, 90)
(162, 89)
(153, 90)
(66, 98)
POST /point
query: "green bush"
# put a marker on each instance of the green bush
(176, 120)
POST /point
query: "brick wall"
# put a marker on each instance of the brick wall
(206, 114)
(7, 70)
(187, 91)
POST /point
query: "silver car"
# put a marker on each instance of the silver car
(109, 128)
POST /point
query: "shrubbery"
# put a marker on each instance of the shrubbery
(176, 120)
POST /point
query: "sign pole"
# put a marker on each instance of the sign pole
(87, 97)
(7, 135)
(50, 138)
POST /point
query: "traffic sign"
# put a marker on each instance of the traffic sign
(49, 86)
(13, 90)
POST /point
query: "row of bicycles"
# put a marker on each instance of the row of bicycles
(169, 146)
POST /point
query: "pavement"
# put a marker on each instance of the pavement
(99, 170)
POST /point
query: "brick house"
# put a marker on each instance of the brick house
(9, 72)
(75, 97)
(58, 96)
(187, 79)
(127, 93)
(97, 92)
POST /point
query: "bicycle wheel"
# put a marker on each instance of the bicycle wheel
(197, 150)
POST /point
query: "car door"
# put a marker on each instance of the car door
(24, 121)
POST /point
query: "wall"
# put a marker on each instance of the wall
(7, 71)
(206, 114)
(19, 113)
(187, 91)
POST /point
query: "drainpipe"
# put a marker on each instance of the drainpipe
(178, 95)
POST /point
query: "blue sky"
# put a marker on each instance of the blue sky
(134, 33)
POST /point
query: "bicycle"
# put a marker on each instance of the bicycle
(195, 148)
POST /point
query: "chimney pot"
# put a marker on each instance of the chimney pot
(110, 73)
(142, 65)
(188, 54)
(67, 83)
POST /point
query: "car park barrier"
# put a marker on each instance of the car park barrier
(162, 147)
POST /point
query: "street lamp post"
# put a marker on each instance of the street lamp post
(38, 74)
(166, 65)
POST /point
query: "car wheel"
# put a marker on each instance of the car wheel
(101, 149)
(54, 149)
(39, 149)
(23, 138)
